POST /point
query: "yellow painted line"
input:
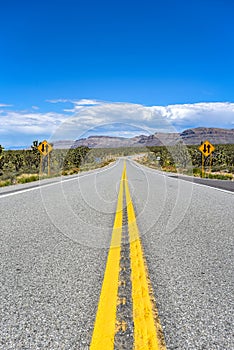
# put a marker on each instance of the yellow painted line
(105, 323)
(147, 330)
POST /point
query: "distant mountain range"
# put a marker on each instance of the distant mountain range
(189, 137)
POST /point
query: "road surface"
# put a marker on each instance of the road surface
(55, 244)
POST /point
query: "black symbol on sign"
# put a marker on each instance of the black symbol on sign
(44, 148)
(206, 148)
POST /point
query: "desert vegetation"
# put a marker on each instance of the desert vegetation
(24, 165)
(21, 166)
(188, 160)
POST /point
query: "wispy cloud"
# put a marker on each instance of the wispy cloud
(81, 102)
(59, 100)
(77, 105)
(4, 105)
(87, 102)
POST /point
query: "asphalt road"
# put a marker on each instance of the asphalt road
(54, 246)
(221, 184)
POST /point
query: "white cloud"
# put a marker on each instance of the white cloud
(87, 102)
(29, 123)
(90, 114)
(213, 114)
(149, 119)
(75, 109)
(59, 100)
(78, 105)
(69, 110)
(81, 102)
(4, 105)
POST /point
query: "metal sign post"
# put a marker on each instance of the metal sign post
(210, 162)
(41, 158)
(48, 164)
(203, 165)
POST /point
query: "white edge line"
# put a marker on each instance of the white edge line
(207, 186)
(56, 183)
(156, 172)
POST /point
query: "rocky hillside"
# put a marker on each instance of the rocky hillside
(189, 137)
(214, 135)
(104, 142)
(192, 137)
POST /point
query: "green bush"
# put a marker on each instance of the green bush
(23, 180)
(197, 172)
(219, 176)
(5, 183)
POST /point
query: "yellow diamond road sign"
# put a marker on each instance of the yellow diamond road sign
(206, 148)
(44, 148)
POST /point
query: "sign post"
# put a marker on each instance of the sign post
(206, 149)
(210, 162)
(41, 164)
(44, 148)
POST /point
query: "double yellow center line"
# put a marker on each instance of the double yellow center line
(147, 329)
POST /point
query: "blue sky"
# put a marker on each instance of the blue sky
(149, 53)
